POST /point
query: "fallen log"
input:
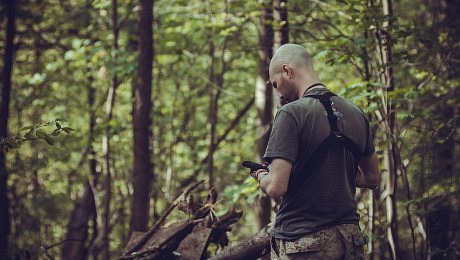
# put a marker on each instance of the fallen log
(133, 246)
(187, 239)
(166, 249)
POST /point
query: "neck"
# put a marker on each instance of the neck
(307, 84)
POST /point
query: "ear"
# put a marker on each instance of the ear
(288, 70)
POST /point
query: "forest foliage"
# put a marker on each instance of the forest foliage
(68, 53)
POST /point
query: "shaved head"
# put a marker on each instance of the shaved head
(293, 54)
(291, 72)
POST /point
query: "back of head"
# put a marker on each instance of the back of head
(293, 54)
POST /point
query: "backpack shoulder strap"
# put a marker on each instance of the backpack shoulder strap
(336, 135)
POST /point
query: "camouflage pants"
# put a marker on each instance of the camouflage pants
(344, 241)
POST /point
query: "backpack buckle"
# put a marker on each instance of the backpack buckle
(338, 135)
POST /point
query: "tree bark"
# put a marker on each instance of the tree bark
(142, 168)
(390, 159)
(280, 15)
(215, 86)
(84, 211)
(372, 194)
(92, 165)
(213, 100)
(10, 10)
(281, 35)
(107, 167)
(77, 229)
(264, 100)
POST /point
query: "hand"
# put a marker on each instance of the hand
(259, 174)
(254, 168)
(253, 174)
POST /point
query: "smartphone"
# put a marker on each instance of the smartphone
(253, 166)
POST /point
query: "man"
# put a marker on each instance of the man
(320, 149)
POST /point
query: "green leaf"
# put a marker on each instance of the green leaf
(67, 129)
(36, 79)
(27, 128)
(41, 134)
(322, 55)
(49, 140)
(30, 136)
(56, 132)
(69, 55)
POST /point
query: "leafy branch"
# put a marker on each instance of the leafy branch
(44, 131)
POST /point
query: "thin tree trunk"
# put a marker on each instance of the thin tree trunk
(390, 116)
(107, 167)
(142, 168)
(213, 99)
(371, 193)
(280, 35)
(77, 229)
(222, 138)
(171, 148)
(264, 100)
(425, 247)
(84, 211)
(10, 10)
(280, 15)
(215, 85)
(92, 165)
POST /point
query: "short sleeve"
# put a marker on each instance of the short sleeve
(369, 148)
(284, 138)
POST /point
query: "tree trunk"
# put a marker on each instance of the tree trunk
(79, 245)
(142, 168)
(77, 229)
(390, 160)
(107, 167)
(215, 86)
(6, 73)
(213, 100)
(281, 34)
(438, 230)
(264, 100)
(373, 195)
(280, 15)
(92, 165)
(222, 138)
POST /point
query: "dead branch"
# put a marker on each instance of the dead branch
(157, 225)
(165, 249)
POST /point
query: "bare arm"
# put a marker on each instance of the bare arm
(275, 182)
(368, 175)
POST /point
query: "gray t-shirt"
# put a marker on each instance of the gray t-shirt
(320, 194)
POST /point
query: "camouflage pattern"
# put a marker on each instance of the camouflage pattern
(344, 241)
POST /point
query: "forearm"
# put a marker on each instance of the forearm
(274, 183)
(365, 182)
(368, 175)
(265, 180)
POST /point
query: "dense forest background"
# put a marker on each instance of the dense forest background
(109, 109)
